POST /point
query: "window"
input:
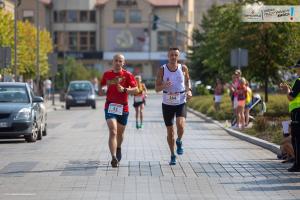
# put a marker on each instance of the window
(28, 15)
(135, 16)
(55, 37)
(119, 16)
(55, 16)
(62, 16)
(165, 40)
(72, 40)
(72, 16)
(92, 41)
(92, 16)
(83, 41)
(84, 16)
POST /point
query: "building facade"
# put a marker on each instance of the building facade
(92, 31)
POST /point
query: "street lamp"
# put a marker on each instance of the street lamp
(37, 46)
(17, 4)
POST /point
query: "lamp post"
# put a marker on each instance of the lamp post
(17, 4)
(37, 47)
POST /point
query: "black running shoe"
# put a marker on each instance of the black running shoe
(294, 168)
(114, 162)
(119, 154)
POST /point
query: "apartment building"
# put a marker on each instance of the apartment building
(29, 9)
(93, 31)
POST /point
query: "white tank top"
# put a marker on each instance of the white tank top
(174, 95)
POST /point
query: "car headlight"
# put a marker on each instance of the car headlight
(69, 97)
(23, 114)
(92, 96)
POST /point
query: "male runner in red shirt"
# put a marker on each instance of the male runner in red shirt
(119, 83)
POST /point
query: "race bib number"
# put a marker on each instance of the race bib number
(115, 108)
(173, 98)
(138, 99)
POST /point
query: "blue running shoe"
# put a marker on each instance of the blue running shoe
(173, 160)
(179, 147)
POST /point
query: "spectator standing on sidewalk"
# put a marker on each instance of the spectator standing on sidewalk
(119, 84)
(293, 95)
(47, 88)
(139, 100)
(241, 98)
(233, 90)
(174, 80)
(218, 93)
(248, 103)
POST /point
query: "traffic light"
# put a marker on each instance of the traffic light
(155, 22)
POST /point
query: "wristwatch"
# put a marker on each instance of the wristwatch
(124, 90)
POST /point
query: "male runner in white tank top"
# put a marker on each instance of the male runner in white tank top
(174, 80)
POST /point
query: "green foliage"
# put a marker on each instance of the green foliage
(201, 90)
(267, 127)
(75, 70)
(270, 48)
(26, 46)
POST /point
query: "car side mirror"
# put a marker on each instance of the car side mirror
(38, 99)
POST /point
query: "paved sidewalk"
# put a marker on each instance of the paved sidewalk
(73, 163)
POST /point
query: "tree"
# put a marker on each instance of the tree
(75, 70)
(6, 34)
(27, 50)
(270, 48)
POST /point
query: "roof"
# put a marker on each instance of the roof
(158, 3)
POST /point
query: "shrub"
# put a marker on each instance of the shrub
(260, 124)
(201, 89)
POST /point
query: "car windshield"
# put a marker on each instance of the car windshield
(13, 94)
(79, 87)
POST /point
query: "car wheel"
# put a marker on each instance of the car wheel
(45, 130)
(94, 106)
(40, 134)
(34, 133)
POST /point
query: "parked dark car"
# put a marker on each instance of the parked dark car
(80, 93)
(22, 114)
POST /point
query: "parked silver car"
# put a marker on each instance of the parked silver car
(22, 114)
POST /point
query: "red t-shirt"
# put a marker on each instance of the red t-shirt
(111, 79)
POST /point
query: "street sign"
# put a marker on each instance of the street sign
(5, 57)
(52, 60)
(239, 58)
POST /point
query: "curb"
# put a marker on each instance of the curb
(254, 140)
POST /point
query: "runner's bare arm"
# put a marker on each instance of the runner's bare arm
(187, 82)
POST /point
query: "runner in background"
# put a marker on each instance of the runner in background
(139, 100)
